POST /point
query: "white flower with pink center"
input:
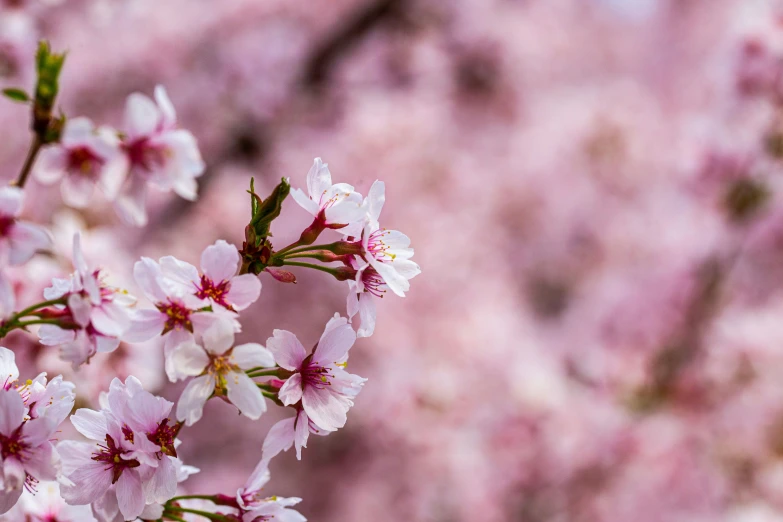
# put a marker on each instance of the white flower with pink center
(158, 153)
(98, 314)
(219, 282)
(333, 206)
(30, 415)
(388, 252)
(255, 505)
(318, 380)
(19, 240)
(84, 158)
(178, 314)
(219, 368)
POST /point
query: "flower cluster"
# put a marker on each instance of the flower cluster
(128, 467)
(30, 415)
(151, 150)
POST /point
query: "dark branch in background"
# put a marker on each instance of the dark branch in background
(344, 37)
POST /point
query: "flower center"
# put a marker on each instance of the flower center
(177, 316)
(12, 446)
(146, 156)
(216, 292)
(6, 224)
(314, 375)
(111, 454)
(376, 246)
(373, 282)
(83, 161)
(164, 437)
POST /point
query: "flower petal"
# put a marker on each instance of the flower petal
(220, 261)
(291, 391)
(245, 395)
(252, 355)
(288, 351)
(190, 407)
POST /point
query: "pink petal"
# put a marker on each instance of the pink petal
(11, 199)
(244, 291)
(141, 116)
(77, 190)
(145, 325)
(147, 274)
(168, 114)
(334, 344)
(288, 351)
(90, 423)
(252, 355)
(291, 391)
(25, 240)
(323, 408)
(280, 438)
(302, 432)
(130, 496)
(11, 411)
(220, 261)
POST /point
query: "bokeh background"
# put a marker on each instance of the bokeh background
(594, 189)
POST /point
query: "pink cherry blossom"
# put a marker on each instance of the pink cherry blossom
(19, 240)
(158, 154)
(85, 157)
(219, 282)
(318, 380)
(178, 313)
(255, 505)
(98, 315)
(30, 415)
(333, 206)
(46, 504)
(131, 464)
(218, 367)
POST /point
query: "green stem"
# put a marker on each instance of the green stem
(32, 153)
(293, 255)
(27, 311)
(24, 324)
(262, 373)
(289, 251)
(205, 514)
(309, 265)
(175, 518)
(187, 497)
(268, 394)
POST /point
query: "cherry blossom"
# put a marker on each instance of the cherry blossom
(30, 415)
(178, 313)
(318, 380)
(219, 282)
(333, 206)
(95, 317)
(85, 157)
(47, 505)
(19, 240)
(387, 252)
(255, 505)
(130, 464)
(158, 153)
(218, 367)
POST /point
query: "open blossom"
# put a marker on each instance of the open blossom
(218, 367)
(97, 314)
(319, 381)
(84, 158)
(30, 415)
(219, 282)
(255, 505)
(131, 461)
(158, 153)
(178, 314)
(46, 505)
(19, 240)
(333, 206)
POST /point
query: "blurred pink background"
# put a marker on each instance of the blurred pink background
(594, 191)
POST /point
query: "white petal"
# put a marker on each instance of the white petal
(8, 370)
(168, 114)
(145, 325)
(302, 432)
(12, 411)
(148, 274)
(77, 190)
(219, 337)
(305, 202)
(183, 274)
(11, 199)
(375, 200)
(141, 116)
(245, 395)
(186, 360)
(367, 313)
(81, 309)
(319, 179)
(90, 423)
(252, 355)
(190, 407)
